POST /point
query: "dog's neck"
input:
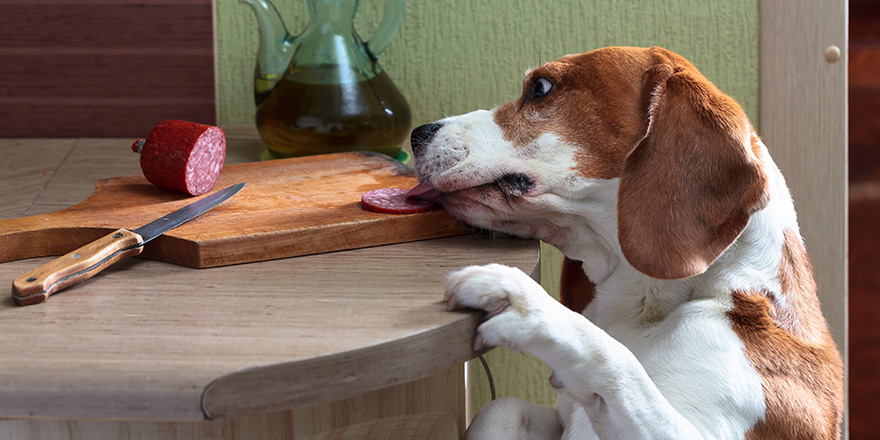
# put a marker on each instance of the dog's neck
(591, 237)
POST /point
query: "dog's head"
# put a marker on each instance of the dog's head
(626, 143)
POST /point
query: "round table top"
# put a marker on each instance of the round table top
(152, 340)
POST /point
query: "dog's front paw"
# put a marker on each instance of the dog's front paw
(516, 304)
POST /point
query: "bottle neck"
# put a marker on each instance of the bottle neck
(331, 44)
(332, 16)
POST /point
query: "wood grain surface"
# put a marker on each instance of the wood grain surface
(147, 340)
(289, 207)
(99, 68)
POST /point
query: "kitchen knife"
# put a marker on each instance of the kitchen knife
(81, 264)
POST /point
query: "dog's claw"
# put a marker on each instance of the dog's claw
(478, 343)
(451, 303)
(555, 382)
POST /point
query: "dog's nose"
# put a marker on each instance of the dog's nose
(422, 135)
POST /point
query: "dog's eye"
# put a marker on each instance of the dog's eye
(540, 88)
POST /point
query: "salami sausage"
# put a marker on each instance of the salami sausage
(394, 201)
(182, 156)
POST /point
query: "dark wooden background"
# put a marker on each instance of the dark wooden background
(864, 219)
(104, 67)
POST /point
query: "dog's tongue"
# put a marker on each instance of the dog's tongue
(424, 191)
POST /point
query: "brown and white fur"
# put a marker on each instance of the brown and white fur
(704, 320)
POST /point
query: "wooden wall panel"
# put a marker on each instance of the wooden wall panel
(121, 74)
(803, 123)
(104, 68)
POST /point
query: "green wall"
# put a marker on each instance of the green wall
(454, 56)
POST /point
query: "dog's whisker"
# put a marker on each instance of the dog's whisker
(538, 52)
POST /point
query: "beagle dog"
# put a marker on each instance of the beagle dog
(700, 319)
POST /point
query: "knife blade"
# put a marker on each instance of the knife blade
(35, 286)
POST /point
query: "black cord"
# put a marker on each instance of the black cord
(489, 376)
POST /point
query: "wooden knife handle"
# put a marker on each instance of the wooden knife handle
(75, 267)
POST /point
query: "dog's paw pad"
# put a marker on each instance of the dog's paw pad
(516, 304)
(480, 287)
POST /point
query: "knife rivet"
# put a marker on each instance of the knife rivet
(31, 279)
(76, 255)
(117, 235)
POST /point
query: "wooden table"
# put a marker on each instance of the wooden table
(277, 349)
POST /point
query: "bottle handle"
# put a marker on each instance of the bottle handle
(394, 10)
(277, 45)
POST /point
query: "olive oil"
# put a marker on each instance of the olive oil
(330, 109)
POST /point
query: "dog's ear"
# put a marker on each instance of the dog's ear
(690, 186)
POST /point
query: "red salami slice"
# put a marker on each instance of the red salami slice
(182, 156)
(394, 201)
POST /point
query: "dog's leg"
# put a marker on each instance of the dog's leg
(589, 366)
(510, 418)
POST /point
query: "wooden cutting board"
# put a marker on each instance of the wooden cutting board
(289, 207)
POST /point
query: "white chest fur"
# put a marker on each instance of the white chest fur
(696, 361)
